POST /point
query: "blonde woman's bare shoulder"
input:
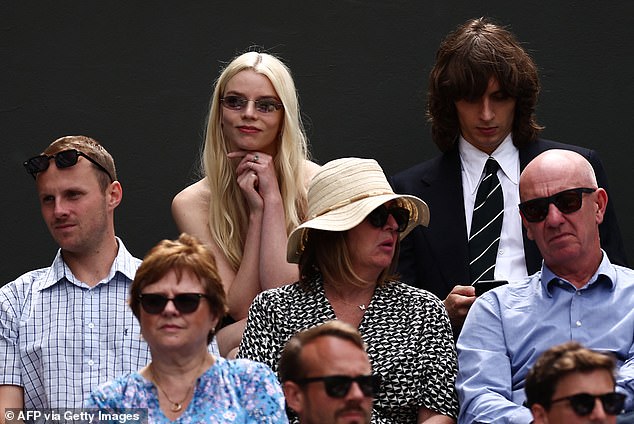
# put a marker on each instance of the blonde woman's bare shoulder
(190, 210)
(196, 194)
(310, 169)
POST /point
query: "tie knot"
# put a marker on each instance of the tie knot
(491, 166)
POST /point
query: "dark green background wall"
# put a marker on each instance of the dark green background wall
(138, 75)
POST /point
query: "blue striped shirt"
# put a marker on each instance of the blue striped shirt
(508, 328)
(60, 338)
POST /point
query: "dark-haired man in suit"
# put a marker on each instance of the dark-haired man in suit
(483, 90)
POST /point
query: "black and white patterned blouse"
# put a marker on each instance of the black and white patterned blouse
(406, 330)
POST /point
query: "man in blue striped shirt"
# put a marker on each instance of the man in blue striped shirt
(67, 328)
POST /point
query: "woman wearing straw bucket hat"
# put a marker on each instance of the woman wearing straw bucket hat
(347, 252)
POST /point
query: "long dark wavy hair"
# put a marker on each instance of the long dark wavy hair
(465, 62)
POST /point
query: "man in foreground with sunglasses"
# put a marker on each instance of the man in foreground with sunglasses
(327, 377)
(577, 295)
(570, 384)
(67, 328)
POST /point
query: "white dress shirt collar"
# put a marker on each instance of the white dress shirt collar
(473, 160)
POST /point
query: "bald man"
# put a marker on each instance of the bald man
(577, 295)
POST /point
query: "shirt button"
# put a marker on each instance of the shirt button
(578, 323)
(578, 292)
(91, 325)
(91, 362)
(501, 252)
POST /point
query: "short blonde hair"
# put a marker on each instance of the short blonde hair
(90, 147)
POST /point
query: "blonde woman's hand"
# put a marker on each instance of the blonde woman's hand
(258, 174)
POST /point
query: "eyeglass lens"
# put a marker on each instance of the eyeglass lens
(265, 105)
(338, 386)
(378, 217)
(584, 403)
(567, 201)
(63, 159)
(185, 303)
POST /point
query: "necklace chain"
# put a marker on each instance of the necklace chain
(175, 406)
(363, 307)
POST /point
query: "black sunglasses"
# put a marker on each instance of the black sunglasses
(567, 201)
(378, 217)
(63, 159)
(265, 105)
(185, 303)
(583, 403)
(337, 386)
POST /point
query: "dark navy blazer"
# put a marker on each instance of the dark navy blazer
(436, 258)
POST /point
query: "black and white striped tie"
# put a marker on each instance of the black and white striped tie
(486, 224)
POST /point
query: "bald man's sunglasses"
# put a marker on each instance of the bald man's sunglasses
(567, 201)
(583, 403)
(338, 386)
(63, 159)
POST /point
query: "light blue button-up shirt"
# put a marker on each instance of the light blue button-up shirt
(508, 328)
(60, 338)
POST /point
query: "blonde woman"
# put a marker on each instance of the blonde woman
(253, 194)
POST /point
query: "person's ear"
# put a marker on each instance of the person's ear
(294, 396)
(214, 319)
(114, 194)
(540, 415)
(602, 203)
(526, 225)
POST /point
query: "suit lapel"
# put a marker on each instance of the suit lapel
(442, 186)
(531, 252)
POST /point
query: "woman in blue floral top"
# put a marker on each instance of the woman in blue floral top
(179, 301)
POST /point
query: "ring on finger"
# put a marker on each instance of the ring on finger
(256, 157)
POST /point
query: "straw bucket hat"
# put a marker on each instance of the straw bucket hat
(343, 193)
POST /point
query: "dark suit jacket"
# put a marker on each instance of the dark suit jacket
(436, 258)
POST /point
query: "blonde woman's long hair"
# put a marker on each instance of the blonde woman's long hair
(228, 210)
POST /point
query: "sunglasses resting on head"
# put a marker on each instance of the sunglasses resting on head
(567, 201)
(63, 159)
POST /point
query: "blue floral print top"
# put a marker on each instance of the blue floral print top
(236, 391)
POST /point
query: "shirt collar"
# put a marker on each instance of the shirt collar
(605, 274)
(124, 263)
(473, 159)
